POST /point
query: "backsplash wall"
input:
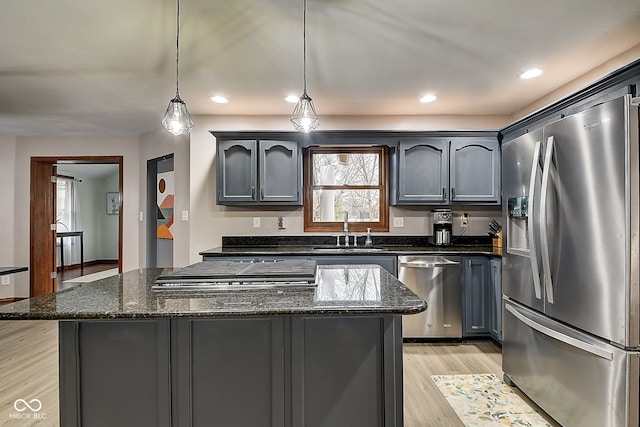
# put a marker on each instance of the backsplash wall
(236, 221)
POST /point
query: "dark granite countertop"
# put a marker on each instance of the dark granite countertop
(11, 270)
(326, 245)
(341, 291)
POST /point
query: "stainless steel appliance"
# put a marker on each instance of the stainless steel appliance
(442, 226)
(436, 279)
(571, 268)
(235, 275)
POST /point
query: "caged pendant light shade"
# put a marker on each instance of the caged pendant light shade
(177, 119)
(304, 117)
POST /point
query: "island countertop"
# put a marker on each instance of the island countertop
(342, 290)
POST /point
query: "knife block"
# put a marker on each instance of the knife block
(497, 243)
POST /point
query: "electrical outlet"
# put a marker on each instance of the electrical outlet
(398, 222)
(6, 280)
(141, 216)
(464, 220)
(256, 222)
(185, 216)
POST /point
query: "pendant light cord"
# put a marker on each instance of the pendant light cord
(178, 46)
(304, 47)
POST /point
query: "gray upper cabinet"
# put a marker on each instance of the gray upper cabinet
(475, 171)
(279, 169)
(259, 172)
(423, 172)
(437, 171)
(237, 171)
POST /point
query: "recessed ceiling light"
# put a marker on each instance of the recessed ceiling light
(529, 74)
(428, 98)
(292, 99)
(219, 99)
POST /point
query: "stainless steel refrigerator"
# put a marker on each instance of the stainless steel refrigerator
(571, 270)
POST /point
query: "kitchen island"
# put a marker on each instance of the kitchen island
(328, 355)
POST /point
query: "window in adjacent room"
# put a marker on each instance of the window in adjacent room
(346, 179)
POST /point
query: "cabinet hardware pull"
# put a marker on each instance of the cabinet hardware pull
(253, 192)
(444, 193)
(453, 193)
(261, 193)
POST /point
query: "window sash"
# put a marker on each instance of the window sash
(381, 187)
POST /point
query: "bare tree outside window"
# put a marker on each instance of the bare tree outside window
(350, 179)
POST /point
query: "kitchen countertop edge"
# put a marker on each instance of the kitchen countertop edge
(103, 300)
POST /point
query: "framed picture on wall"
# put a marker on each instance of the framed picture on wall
(113, 203)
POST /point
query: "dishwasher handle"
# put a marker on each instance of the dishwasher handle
(429, 264)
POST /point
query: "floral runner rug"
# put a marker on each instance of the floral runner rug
(484, 400)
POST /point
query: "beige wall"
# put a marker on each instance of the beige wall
(8, 211)
(26, 147)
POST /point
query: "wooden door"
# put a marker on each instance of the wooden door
(43, 238)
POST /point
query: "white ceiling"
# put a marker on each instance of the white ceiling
(96, 67)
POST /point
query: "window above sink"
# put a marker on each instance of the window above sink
(346, 179)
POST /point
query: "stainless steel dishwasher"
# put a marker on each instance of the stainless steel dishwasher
(436, 279)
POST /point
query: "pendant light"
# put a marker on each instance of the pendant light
(304, 117)
(177, 119)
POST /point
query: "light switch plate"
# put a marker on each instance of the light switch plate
(398, 222)
(185, 215)
(256, 222)
(6, 280)
(141, 216)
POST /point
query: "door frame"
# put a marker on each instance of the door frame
(42, 237)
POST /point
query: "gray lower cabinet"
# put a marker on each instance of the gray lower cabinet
(476, 296)
(115, 373)
(496, 299)
(278, 371)
(251, 172)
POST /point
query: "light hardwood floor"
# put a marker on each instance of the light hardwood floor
(29, 370)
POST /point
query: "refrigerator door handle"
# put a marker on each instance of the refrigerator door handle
(533, 250)
(544, 240)
(559, 336)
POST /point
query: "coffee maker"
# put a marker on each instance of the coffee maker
(442, 226)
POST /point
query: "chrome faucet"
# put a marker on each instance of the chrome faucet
(346, 228)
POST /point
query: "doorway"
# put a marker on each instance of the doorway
(44, 219)
(160, 208)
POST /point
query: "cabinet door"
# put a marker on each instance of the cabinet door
(475, 171)
(230, 372)
(423, 172)
(496, 299)
(476, 284)
(237, 171)
(279, 169)
(114, 373)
